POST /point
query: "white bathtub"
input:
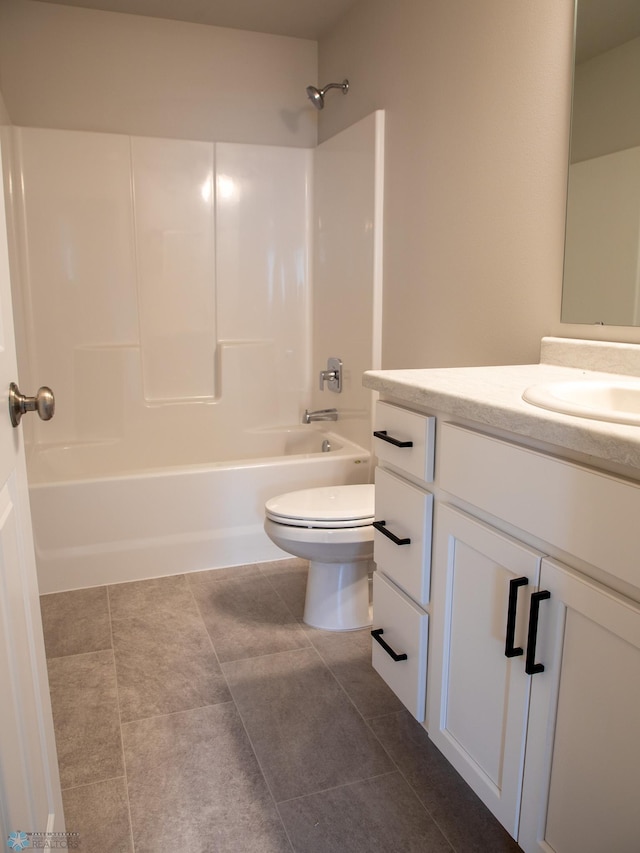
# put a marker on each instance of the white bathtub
(95, 523)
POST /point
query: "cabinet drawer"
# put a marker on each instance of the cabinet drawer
(584, 512)
(404, 626)
(416, 432)
(402, 547)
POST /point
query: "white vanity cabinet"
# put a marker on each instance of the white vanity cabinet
(404, 444)
(534, 667)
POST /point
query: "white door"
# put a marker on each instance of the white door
(478, 695)
(582, 769)
(30, 799)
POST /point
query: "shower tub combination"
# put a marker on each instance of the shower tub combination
(195, 343)
(99, 521)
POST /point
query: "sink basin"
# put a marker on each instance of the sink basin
(616, 401)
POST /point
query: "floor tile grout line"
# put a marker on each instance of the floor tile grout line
(124, 760)
(204, 625)
(397, 771)
(240, 717)
(267, 655)
(338, 682)
(366, 721)
(248, 578)
(355, 781)
(80, 654)
(309, 645)
(275, 589)
(89, 784)
(386, 751)
(308, 635)
(179, 711)
(337, 787)
(343, 688)
(259, 763)
(416, 794)
(213, 648)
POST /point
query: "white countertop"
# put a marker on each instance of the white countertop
(493, 396)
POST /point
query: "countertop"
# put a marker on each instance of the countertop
(492, 396)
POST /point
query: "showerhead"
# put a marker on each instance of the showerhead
(316, 96)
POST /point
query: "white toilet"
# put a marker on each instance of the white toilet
(330, 526)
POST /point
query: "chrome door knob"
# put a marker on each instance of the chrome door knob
(44, 403)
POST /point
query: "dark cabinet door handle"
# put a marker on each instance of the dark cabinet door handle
(510, 650)
(377, 637)
(530, 666)
(380, 527)
(382, 433)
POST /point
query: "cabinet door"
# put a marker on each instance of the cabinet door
(582, 770)
(478, 696)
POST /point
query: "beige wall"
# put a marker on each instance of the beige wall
(79, 69)
(4, 113)
(477, 98)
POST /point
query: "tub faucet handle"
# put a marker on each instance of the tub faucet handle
(332, 375)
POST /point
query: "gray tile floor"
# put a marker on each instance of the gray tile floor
(199, 713)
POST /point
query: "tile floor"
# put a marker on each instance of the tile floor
(198, 713)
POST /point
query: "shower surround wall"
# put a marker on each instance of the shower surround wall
(163, 289)
(347, 266)
(167, 291)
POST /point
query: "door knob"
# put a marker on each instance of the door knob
(44, 403)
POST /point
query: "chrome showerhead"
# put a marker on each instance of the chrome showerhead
(316, 96)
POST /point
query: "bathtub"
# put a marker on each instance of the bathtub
(97, 523)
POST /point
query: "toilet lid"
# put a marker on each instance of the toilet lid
(327, 506)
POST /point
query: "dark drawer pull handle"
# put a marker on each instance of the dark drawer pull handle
(510, 650)
(380, 527)
(376, 636)
(530, 666)
(382, 433)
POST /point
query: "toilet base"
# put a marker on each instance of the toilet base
(337, 596)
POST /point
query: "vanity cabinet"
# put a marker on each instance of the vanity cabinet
(404, 444)
(534, 665)
(530, 589)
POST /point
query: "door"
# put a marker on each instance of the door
(30, 798)
(478, 692)
(582, 769)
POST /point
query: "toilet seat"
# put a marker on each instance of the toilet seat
(332, 528)
(324, 507)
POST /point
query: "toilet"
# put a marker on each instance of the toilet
(330, 526)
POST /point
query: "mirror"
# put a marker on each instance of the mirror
(602, 249)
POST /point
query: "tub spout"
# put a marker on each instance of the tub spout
(319, 415)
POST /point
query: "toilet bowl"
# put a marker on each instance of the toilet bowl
(330, 526)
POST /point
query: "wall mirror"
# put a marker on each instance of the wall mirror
(602, 250)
